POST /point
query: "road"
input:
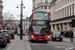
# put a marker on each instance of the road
(51, 45)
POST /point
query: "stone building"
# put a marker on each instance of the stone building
(1, 8)
(63, 12)
(41, 5)
(25, 24)
(12, 25)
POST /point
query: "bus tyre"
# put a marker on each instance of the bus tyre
(45, 41)
(52, 39)
(61, 40)
(31, 41)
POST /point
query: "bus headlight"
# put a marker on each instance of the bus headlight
(48, 36)
(61, 36)
(32, 36)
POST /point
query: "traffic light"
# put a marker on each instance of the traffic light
(20, 26)
(16, 26)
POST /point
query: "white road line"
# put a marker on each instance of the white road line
(69, 48)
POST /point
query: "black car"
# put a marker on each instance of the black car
(56, 35)
(3, 39)
(11, 32)
(7, 35)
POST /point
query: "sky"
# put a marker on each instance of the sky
(9, 6)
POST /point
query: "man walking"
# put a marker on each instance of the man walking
(71, 36)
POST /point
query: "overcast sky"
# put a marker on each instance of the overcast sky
(10, 7)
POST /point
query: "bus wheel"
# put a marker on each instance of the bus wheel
(45, 41)
(31, 41)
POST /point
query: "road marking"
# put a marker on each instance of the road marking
(70, 48)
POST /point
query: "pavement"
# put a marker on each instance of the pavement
(20, 44)
(68, 40)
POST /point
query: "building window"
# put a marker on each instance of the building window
(62, 12)
(33, 7)
(70, 10)
(68, 1)
(41, 7)
(65, 12)
(49, 7)
(45, 7)
(60, 3)
(73, 9)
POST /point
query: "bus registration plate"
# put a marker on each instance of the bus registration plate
(40, 39)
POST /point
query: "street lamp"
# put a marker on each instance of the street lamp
(21, 19)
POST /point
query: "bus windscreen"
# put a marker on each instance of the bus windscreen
(40, 30)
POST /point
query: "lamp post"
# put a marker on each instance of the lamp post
(21, 15)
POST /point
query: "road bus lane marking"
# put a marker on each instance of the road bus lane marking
(66, 47)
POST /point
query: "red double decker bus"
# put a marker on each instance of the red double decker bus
(39, 28)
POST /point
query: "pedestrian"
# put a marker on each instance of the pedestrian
(65, 34)
(61, 32)
(68, 33)
(71, 36)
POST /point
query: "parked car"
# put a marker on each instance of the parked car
(11, 32)
(56, 35)
(7, 35)
(3, 39)
(26, 33)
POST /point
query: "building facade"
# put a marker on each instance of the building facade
(63, 12)
(1, 8)
(12, 25)
(25, 24)
(41, 5)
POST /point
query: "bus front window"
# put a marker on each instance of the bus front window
(40, 30)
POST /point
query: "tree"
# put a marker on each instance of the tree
(7, 19)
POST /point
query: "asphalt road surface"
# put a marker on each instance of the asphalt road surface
(51, 45)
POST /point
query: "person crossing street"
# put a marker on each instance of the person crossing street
(71, 36)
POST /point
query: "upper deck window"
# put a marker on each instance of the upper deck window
(40, 16)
